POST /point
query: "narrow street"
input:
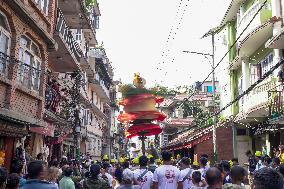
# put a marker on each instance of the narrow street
(161, 94)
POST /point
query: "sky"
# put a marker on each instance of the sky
(149, 36)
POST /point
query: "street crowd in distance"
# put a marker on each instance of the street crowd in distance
(145, 172)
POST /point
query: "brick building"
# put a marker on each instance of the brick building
(25, 39)
(41, 43)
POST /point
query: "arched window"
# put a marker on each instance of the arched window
(4, 34)
(29, 64)
(5, 37)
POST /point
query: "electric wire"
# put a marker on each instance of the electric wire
(230, 48)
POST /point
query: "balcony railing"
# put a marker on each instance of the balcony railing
(66, 33)
(4, 62)
(28, 76)
(102, 84)
(257, 96)
(52, 97)
(276, 103)
(247, 17)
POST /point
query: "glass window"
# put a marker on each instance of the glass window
(78, 35)
(43, 5)
(30, 63)
(266, 64)
(4, 36)
(253, 73)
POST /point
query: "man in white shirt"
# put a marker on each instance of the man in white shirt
(142, 176)
(185, 173)
(166, 176)
(203, 166)
(104, 173)
(259, 163)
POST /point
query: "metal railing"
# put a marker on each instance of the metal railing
(28, 76)
(245, 19)
(101, 82)
(66, 33)
(4, 62)
(276, 103)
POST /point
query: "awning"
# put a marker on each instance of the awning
(46, 131)
(12, 130)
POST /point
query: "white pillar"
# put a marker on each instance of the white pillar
(245, 73)
(276, 11)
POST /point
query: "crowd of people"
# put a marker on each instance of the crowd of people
(145, 172)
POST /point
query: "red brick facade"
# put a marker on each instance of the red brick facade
(16, 100)
(16, 97)
(224, 144)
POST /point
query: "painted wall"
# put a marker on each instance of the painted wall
(231, 39)
(222, 74)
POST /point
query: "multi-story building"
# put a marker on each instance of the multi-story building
(183, 134)
(42, 43)
(26, 38)
(246, 31)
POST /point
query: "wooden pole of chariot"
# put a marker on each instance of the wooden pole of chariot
(142, 137)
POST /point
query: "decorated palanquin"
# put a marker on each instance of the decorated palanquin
(140, 115)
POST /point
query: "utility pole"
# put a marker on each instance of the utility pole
(214, 96)
(214, 133)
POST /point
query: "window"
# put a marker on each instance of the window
(254, 73)
(266, 64)
(92, 96)
(43, 5)
(240, 86)
(258, 70)
(29, 65)
(4, 43)
(208, 89)
(97, 22)
(78, 35)
(241, 132)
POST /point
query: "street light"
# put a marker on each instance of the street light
(213, 91)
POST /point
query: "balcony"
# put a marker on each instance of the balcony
(259, 30)
(28, 76)
(102, 81)
(69, 54)
(79, 15)
(4, 63)
(255, 104)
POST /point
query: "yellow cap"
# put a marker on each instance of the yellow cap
(231, 163)
(112, 160)
(121, 160)
(258, 154)
(135, 160)
(105, 157)
(150, 156)
(158, 161)
(195, 163)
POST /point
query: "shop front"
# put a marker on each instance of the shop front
(267, 137)
(11, 135)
